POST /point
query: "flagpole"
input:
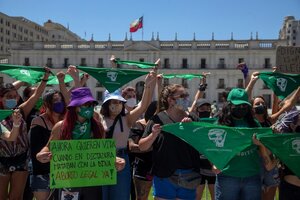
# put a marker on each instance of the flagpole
(143, 29)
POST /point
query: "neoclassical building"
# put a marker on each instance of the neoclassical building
(219, 57)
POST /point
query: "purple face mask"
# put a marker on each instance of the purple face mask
(59, 107)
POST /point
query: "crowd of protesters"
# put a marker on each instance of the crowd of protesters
(146, 156)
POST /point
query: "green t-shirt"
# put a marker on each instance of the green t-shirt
(2, 129)
(82, 130)
(245, 163)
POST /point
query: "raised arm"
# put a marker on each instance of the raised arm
(251, 84)
(27, 106)
(200, 92)
(150, 82)
(74, 73)
(62, 86)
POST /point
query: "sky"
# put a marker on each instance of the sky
(166, 17)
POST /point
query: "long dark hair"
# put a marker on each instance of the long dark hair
(265, 114)
(225, 117)
(166, 92)
(69, 124)
(105, 109)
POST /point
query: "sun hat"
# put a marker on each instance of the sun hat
(116, 95)
(238, 96)
(81, 96)
(201, 102)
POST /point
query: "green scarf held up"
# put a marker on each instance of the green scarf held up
(5, 113)
(184, 76)
(286, 147)
(219, 144)
(28, 74)
(112, 78)
(281, 84)
(143, 65)
(52, 80)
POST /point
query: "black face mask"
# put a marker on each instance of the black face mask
(239, 112)
(260, 109)
(204, 114)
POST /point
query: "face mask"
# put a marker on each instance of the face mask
(239, 112)
(204, 114)
(115, 109)
(260, 109)
(86, 112)
(59, 107)
(38, 104)
(10, 103)
(182, 103)
(131, 102)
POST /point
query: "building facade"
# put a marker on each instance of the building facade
(219, 57)
(290, 31)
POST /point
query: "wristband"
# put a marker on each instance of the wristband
(16, 126)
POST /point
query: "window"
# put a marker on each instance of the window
(26, 62)
(221, 64)
(184, 63)
(49, 62)
(142, 60)
(100, 62)
(241, 60)
(221, 84)
(220, 97)
(240, 83)
(166, 63)
(166, 82)
(83, 62)
(203, 63)
(66, 62)
(184, 83)
(267, 63)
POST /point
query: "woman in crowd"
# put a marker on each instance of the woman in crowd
(78, 123)
(13, 134)
(142, 164)
(290, 184)
(39, 135)
(14, 155)
(240, 179)
(175, 163)
(117, 125)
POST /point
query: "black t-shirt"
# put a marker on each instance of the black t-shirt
(170, 152)
(39, 137)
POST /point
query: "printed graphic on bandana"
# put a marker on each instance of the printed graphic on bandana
(219, 144)
(286, 147)
(111, 78)
(281, 84)
(28, 74)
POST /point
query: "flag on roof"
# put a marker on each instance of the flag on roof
(136, 25)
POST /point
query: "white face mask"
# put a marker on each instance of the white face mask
(115, 109)
(131, 102)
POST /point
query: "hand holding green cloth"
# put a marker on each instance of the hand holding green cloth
(112, 78)
(286, 147)
(143, 65)
(219, 144)
(52, 80)
(28, 74)
(281, 84)
(5, 113)
(185, 76)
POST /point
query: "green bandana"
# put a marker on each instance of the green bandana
(185, 76)
(143, 65)
(54, 81)
(281, 84)
(112, 78)
(5, 113)
(28, 74)
(82, 130)
(219, 144)
(286, 147)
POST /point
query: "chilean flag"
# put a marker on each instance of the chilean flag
(136, 25)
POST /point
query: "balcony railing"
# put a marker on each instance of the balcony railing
(221, 66)
(221, 86)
